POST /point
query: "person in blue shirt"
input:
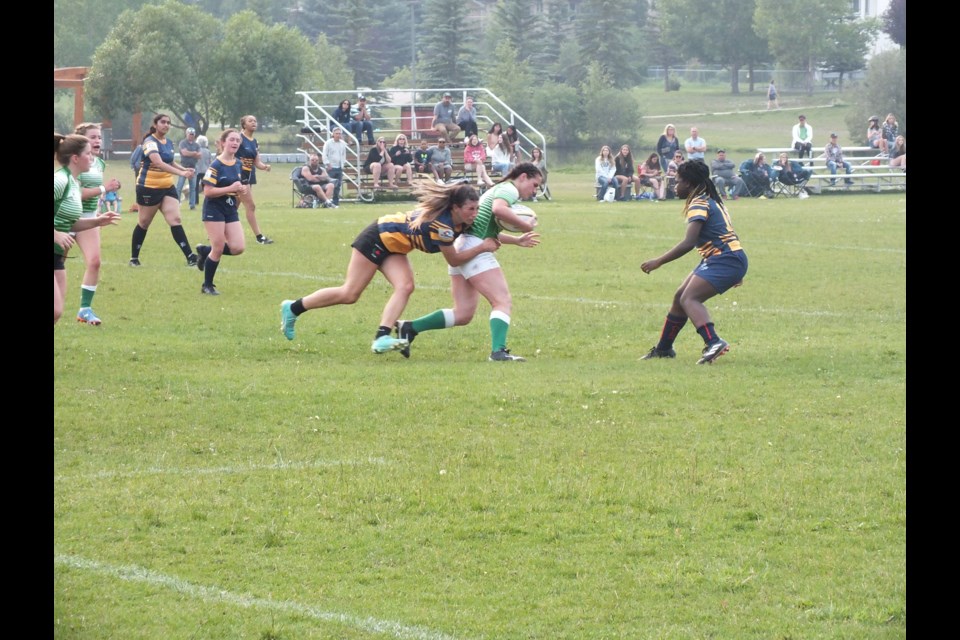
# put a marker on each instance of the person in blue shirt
(723, 263)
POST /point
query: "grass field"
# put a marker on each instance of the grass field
(213, 480)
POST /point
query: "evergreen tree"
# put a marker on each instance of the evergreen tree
(608, 32)
(447, 56)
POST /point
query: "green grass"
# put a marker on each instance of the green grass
(213, 480)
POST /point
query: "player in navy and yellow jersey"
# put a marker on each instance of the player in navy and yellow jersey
(93, 185)
(249, 155)
(222, 188)
(156, 190)
(441, 216)
(75, 155)
(482, 275)
(723, 264)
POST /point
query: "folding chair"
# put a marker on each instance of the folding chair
(792, 183)
(301, 196)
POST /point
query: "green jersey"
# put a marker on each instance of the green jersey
(67, 206)
(485, 224)
(92, 179)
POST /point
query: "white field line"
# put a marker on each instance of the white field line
(133, 573)
(200, 471)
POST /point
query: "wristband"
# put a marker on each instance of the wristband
(103, 190)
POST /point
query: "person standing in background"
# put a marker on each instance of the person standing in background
(772, 100)
(249, 154)
(189, 156)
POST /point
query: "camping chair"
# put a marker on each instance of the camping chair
(791, 184)
(753, 186)
(301, 196)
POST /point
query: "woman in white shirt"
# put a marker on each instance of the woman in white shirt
(605, 169)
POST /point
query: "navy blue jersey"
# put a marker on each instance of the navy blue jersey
(247, 153)
(716, 235)
(221, 174)
(150, 176)
(398, 237)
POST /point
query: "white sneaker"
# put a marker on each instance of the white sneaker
(803, 195)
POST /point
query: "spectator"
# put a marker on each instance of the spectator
(757, 177)
(874, 134)
(136, 160)
(334, 157)
(724, 174)
(890, 129)
(605, 170)
(109, 201)
(500, 156)
(344, 119)
(189, 155)
(772, 100)
(402, 159)
(493, 135)
(467, 118)
(695, 145)
(443, 118)
(623, 162)
(442, 161)
(474, 159)
(802, 134)
(421, 159)
(322, 186)
(378, 161)
(898, 153)
(203, 162)
(791, 172)
(671, 175)
(834, 155)
(668, 144)
(362, 117)
(540, 162)
(249, 156)
(651, 175)
(513, 138)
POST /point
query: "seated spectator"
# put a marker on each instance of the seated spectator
(501, 158)
(467, 118)
(874, 134)
(834, 155)
(402, 159)
(724, 175)
(671, 175)
(756, 175)
(898, 153)
(791, 172)
(344, 118)
(802, 138)
(474, 159)
(604, 169)
(651, 175)
(315, 179)
(377, 162)
(443, 118)
(421, 159)
(493, 135)
(889, 129)
(441, 161)
(623, 162)
(362, 117)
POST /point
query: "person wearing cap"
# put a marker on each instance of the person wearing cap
(189, 155)
(874, 135)
(724, 175)
(834, 155)
(443, 114)
(803, 138)
(441, 161)
(363, 117)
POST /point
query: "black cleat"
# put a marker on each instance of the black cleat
(659, 353)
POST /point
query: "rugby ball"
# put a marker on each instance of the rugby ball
(522, 211)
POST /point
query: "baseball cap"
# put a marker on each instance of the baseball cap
(447, 94)
(191, 130)
(361, 97)
(872, 118)
(833, 135)
(721, 150)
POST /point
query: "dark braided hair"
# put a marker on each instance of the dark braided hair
(697, 174)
